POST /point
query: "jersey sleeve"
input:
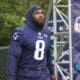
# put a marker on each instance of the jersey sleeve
(50, 59)
(14, 53)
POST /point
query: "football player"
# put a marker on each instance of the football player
(30, 53)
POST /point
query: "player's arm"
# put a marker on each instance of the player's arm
(76, 40)
(50, 64)
(14, 53)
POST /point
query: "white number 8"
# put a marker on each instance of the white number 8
(39, 51)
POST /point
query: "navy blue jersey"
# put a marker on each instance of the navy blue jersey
(30, 48)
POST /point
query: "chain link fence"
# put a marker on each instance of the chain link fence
(3, 58)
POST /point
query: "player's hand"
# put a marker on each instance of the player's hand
(52, 77)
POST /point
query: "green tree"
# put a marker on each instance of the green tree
(12, 13)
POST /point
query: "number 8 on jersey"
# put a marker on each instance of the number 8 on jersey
(39, 50)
